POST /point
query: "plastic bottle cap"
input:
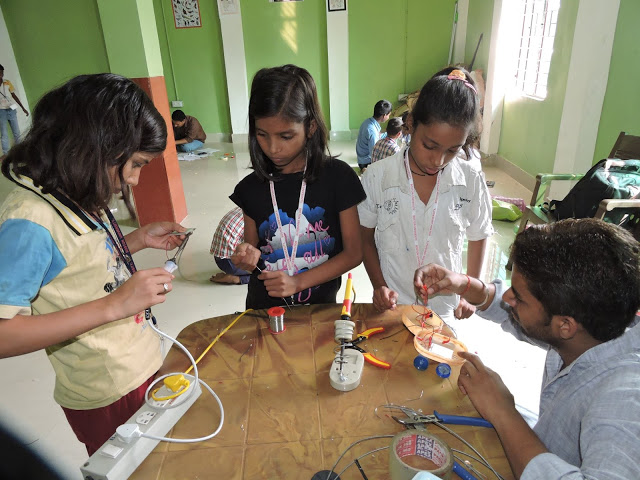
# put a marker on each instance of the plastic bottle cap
(443, 370)
(420, 362)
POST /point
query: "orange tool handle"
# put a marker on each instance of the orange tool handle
(376, 361)
(346, 304)
(371, 331)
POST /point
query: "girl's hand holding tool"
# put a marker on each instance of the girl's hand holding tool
(144, 289)
(246, 257)
(279, 284)
(159, 235)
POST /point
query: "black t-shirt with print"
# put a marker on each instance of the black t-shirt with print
(336, 189)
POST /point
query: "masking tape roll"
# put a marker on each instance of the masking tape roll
(415, 451)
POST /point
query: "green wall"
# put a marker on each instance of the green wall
(530, 127)
(198, 65)
(53, 44)
(622, 98)
(394, 50)
(480, 19)
(280, 33)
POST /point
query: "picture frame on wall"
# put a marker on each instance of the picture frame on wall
(336, 5)
(186, 13)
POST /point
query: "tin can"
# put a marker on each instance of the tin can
(276, 320)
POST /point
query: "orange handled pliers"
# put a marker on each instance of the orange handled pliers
(367, 356)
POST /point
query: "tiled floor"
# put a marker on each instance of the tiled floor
(27, 400)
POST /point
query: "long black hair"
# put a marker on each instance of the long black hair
(291, 92)
(450, 100)
(80, 130)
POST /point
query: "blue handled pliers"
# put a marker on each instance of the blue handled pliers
(418, 419)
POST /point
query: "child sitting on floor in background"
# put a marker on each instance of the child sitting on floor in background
(387, 146)
(229, 234)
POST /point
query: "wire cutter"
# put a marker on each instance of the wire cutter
(367, 356)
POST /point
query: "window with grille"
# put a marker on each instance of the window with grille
(539, 20)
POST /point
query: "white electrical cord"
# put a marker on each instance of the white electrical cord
(186, 395)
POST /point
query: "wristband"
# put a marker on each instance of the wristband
(486, 296)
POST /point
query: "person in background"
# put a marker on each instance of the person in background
(575, 291)
(301, 224)
(423, 201)
(406, 129)
(187, 131)
(387, 146)
(369, 133)
(228, 235)
(8, 112)
(69, 282)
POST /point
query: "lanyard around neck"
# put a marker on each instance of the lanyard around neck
(120, 244)
(412, 190)
(290, 260)
(118, 241)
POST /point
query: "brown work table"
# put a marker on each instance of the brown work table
(283, 420)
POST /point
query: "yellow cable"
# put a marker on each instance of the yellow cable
(219, 335)
(177, 394)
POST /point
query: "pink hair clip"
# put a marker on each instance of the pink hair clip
(459, 75)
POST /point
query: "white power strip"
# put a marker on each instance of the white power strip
(116, 459)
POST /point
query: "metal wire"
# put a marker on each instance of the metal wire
(353, 445)
(447, 429)
(362, 456)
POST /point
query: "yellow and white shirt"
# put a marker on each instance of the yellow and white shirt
(53, 257)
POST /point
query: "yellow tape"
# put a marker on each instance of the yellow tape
(415, 451)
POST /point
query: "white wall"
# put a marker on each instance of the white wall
(11, 72)
(338, 62)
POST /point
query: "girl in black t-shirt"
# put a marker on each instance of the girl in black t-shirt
(300, 204)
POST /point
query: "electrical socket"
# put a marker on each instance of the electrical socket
(116, 459)
(177, 103)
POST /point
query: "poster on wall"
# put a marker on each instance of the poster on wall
(227, 7)
(186, 13)
(336, 5)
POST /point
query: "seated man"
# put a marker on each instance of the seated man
(575, 289)
(387, 146)
(369, 133)
(188, 132)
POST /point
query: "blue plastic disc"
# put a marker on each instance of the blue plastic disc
(443, 370)
(420, 362)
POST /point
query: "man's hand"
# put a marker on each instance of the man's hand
(384, 299)
(485, 389)
(246, 257)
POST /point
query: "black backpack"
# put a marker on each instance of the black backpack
(609, 178)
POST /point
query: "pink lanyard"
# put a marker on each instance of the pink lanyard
(420, 258)
(289, 259)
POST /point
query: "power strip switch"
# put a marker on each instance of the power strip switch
(119, 457)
